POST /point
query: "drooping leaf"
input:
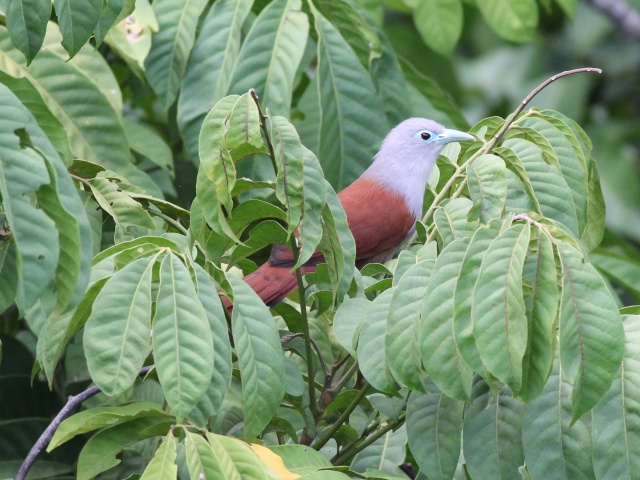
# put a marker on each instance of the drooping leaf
(492, 435)
(237, 458)
(348, 321)
(112, 10)
(27, 24)
(439, 352)
(488, 186)
(163, 464)
(201, 458)
(591, 332)
(77, 19)
(210, 67)
(351, 127)
(182, 341)
(8, 274)
(269, 57)
(513, 20)
(498, 312)
(439, 24)
(118, 331)
(260, 357)
(171, 45)
(434, 422)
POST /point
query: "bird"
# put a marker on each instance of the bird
(382, 205)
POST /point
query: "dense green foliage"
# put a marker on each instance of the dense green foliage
(141, 178)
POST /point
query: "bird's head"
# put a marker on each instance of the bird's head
(408, 153)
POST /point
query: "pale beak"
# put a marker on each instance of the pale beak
(449, 136)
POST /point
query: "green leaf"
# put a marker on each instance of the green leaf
(100, 417)
(451, 220)
(492, 435)
(210, 404)
(146, 141)
(591, 333)
(315, 198)
(117, 333)
(237, 459)
(163, 464)
(434, 422)
(385, 453)
(117, 203)
(22, 172)
(93, 126)
(171, 45)
(8, 274)
(137, 247)
(271, 53)
(439, 24)
(615, 420)
(488, 186)
(201, 459)
(337, 245)
(30, 97)
(77, 20)
(210, 67)
(99, 453)
(260, 357)
(111, 11)
(554, 446)
(290, 177)
(541, 299)
(401, 341)
(351, 125)
(440, 356)
(182, 342)
(594, 230)
(371, 352)
(27, 24)
(551, 189)
(463, 296)
(498, 313)
(568, 6)
(262, 235)
(348, 322)
(513, 20)
(299, 459)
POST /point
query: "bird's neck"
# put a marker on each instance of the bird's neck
(407, 181)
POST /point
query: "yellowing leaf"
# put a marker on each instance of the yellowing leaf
(274, 462)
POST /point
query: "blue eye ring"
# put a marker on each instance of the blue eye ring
(424, 135)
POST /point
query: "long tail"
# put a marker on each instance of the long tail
(272, 284)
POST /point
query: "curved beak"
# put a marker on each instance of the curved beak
(449, 136)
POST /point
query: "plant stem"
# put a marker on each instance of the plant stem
(345, 378)
(327, 434)
(355, 448)
(263, 125)
(174, 223)
(73, 402)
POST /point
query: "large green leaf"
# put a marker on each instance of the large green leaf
(434, 422)
(260, 357)
(112, 12)
(594, 230)
(22, 173)
(551, 189)
(591, 332)
(439, 23)
(212, 400)
(371, 352)
(498, 311)
(492, 435)
(289, 161)
(452, 220)
(401, 341)
(513, 20)
(93, 126)
(171, 45)
(163, 464)
(348, 321)
(8, 274)
(488, 186)
(556, 448)
(616, 428)
(315, 197)
(210, 67)
(182, 342)
(118, 331)
(201, 458)
(77, 20)
(27, 24)
(351, 127)
(237, 458)
(386, 453)
(541, 299)
(269, 57)
(440, 355)
(463, 295)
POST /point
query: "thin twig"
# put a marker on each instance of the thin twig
(174, 223)
(339, 384)
(72, 403)
(80, 179)
(326, 435)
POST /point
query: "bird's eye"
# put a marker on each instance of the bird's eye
(425, 135)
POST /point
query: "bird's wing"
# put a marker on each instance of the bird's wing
(378, 219)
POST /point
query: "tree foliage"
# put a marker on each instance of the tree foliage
(140, 176)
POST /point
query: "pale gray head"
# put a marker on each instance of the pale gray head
(407, 156)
